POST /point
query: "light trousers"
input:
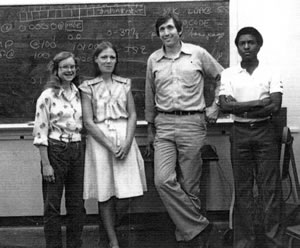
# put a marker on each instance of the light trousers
(177, 170)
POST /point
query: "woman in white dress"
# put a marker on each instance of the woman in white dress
(114, 167)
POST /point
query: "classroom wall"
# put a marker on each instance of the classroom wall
(21, 181)
(278, 21)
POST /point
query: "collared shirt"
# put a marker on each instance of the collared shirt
(109, 102)
(58, 116)
(178, 84)
(242, 86)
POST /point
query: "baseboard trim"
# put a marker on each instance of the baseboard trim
(93, 219)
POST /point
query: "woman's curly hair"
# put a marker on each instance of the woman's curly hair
(54, 80)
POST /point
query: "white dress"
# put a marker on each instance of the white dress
(104, 175)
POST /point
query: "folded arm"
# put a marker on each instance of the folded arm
(252, 109)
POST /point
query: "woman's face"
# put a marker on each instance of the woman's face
(106, 60)
(67, 69)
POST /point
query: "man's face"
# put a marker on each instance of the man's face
(248, 47)
(168, 34)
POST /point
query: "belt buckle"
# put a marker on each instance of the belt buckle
(252, 124)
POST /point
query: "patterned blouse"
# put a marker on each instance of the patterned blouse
(108, 103)
(58, 117)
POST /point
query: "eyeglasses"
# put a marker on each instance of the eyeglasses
(68, 67)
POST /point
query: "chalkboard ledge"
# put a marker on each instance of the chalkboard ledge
(29, 125)
(13, 126)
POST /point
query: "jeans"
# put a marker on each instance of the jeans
(257, 218)
(67, 162)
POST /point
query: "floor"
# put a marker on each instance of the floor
(151, 232)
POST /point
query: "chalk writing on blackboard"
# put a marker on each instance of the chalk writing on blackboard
(31, 35)
(69, 11)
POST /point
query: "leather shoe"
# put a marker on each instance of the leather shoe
(201, 240)
(182, 244)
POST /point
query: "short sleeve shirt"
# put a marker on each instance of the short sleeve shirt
(58, 117)
(241, 85)
(108, 102)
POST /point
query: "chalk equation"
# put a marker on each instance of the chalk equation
(124, 32)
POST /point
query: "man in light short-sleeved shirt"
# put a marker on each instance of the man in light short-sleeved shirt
(252, 93)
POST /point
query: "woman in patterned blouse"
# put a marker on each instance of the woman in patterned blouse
(57, 134)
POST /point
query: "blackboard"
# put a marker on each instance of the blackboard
(30, 35)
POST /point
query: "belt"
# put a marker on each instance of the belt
(179, 112)
(252, 124)
(65, 141)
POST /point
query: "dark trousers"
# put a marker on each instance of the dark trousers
(255, 156)
(67, 162)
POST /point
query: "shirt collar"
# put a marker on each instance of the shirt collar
(73, 88)
(184, 49)
(240, 69)
(99, 79)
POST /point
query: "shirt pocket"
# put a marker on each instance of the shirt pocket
(189, 74)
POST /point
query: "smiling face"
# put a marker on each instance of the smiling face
(248, 47)
(169, 34)
(67, 69)
(106, 61)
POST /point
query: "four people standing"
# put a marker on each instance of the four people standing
(252, 93)
(57, 134)
(176, 113)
